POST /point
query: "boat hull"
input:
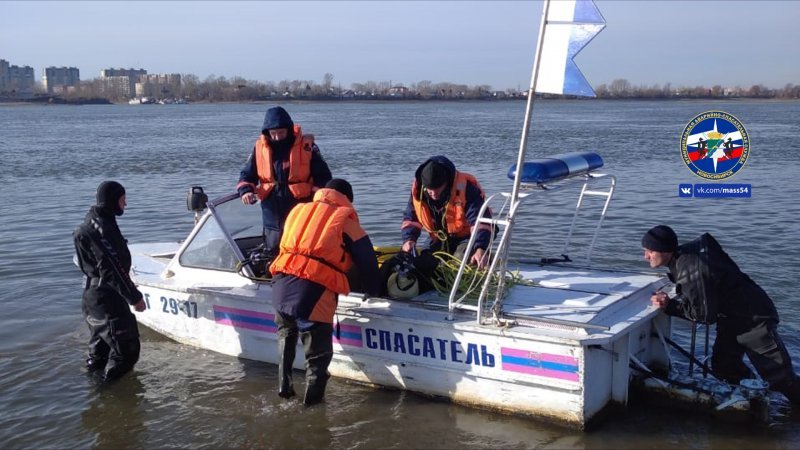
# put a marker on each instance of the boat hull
(410, 346)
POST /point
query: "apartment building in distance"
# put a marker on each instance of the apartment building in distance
(121, 82)
(159, 85)
(58, 80)
(18, 79)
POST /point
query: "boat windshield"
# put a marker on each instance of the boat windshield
(231, 232)
(240, 220)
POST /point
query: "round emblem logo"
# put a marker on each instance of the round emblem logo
(714, 145)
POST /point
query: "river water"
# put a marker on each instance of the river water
(179, 396)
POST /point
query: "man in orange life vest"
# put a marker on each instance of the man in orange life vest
(320, 244)
(285, 169)
(445, 203)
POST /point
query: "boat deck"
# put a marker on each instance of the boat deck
(557, 302)
(577, 304)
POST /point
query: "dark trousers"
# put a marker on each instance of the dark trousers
(763, 347)
(454, 246)
(114, 335)
(272, 239)
(317, 339)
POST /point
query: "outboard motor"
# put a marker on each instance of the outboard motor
(196, 201)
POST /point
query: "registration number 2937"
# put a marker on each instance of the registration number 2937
(173, 306)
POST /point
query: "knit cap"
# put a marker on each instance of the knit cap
(660, 238)
(341, 186)
(433, 175)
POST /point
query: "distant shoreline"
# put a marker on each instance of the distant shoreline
(82, 102)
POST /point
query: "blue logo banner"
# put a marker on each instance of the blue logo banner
(723, 190)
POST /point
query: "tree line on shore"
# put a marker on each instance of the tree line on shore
(238, 89)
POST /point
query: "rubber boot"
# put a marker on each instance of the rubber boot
(98, 349)
(95, 364)
(318, 347)
(123, 357)
(315, 387)
(287, 346)
(790, 389)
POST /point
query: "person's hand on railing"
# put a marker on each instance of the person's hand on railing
(659, 299)
(479, 258)
(248, 198)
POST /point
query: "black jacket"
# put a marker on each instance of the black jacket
(710, 286)
(103, 256)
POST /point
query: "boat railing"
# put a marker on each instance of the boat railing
(503, 219)
(606, 194)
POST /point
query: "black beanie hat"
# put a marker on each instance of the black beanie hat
(341, 186)
(433, 175)
(108, 195)
(660, 238)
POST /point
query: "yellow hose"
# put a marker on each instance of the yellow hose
(472, 279)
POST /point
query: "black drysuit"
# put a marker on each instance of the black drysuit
(105, 260)
(711, 288)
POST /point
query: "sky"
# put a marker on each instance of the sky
(685, 43)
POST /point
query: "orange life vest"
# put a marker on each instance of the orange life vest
(312, 246)
(301, 185)
(455, 215)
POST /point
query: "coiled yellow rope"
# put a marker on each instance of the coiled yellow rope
(472, 279)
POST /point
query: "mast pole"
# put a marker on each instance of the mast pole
(523, 144)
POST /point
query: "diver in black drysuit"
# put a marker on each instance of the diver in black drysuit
(105, 261)
(710, 288)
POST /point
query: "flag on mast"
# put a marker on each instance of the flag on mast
(569, 26)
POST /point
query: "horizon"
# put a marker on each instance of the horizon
(405, 42)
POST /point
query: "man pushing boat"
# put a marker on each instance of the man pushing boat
(710, 288)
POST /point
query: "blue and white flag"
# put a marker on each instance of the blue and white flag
(569, 26)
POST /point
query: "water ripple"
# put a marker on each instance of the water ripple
(182, 397)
